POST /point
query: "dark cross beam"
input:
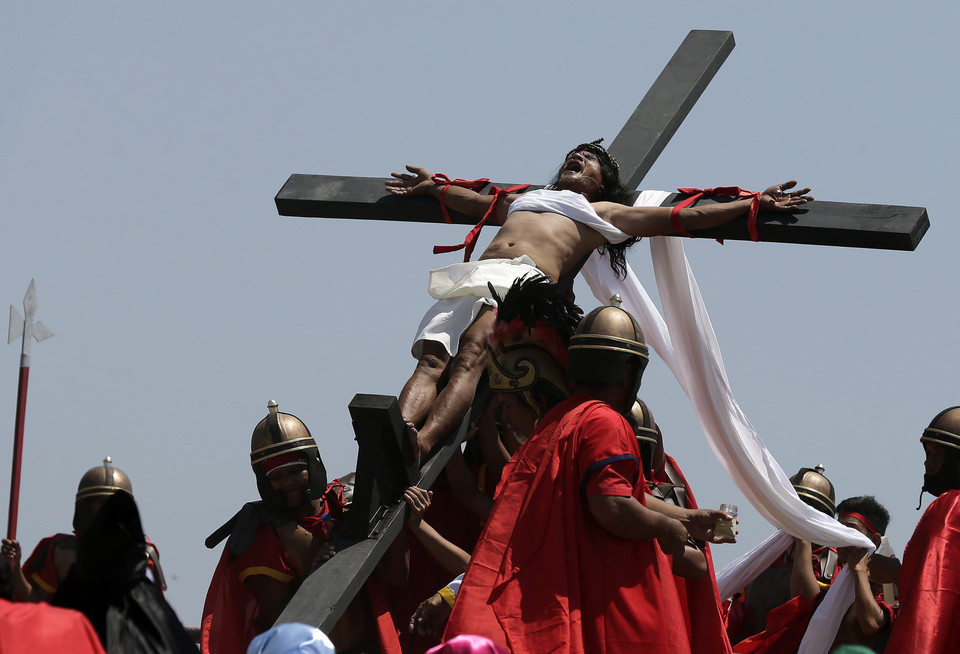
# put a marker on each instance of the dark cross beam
(377, 514)
(636, 147)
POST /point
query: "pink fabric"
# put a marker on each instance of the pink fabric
(469, 644)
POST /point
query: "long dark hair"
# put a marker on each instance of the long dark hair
(613, 191)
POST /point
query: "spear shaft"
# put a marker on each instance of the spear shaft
(17, 452)
(27, 329)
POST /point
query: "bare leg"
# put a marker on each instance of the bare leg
(464, 372)
(420, 391)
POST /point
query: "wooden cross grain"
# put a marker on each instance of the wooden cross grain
(380, 513)
(636, 147)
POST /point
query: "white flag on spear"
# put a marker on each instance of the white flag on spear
(25, 328)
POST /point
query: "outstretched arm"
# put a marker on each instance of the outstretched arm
(419, 181)
(655, 221)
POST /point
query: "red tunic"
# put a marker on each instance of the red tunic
(701, 598)
(230, 610)
(545, 576)
(28, 628)
(52, 556)
(929, 616)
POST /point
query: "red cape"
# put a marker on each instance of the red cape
(28, 628)
(702, 606)
(545, 577)
(786, 626)
(929, 617)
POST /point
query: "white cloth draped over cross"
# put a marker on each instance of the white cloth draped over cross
(684, 339)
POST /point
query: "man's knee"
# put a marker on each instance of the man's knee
(433, 360)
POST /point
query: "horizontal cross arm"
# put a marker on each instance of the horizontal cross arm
(843, 224)
(360, 198)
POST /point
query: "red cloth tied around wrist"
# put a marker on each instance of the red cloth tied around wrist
(476, 184)
(725, 191)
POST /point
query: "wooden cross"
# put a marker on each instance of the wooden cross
(379, 511)
(636, 147)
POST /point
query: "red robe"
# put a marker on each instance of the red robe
(786, 626)
(28, 628)
(701, 597)
(230, 610)
(929, 616)
(545, 576)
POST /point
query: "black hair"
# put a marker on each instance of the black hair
(869, 508)
(613, 191)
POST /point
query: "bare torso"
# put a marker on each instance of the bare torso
(554, 242)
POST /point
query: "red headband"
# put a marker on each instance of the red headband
(282, 460)
(866, 523)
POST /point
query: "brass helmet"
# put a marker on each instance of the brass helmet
(815, 489)
(283, 438)
(522, 363)
(528, 343)
(649, 437)
(944, 429)
(99, 482)
(606, 340)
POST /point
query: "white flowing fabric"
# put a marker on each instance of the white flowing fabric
(685, 340)
(741, 571)
(823, 626)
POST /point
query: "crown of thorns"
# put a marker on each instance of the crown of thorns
(597, 149)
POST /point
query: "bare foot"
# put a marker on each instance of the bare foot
(419, 454)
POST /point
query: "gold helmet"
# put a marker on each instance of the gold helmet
(528, 343)
(606, 341)
(95, 484)
(815, 489)
(281, 439)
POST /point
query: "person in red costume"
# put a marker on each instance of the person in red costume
(274, 544)
(929, 616)
(695, 577)
(576, 556)
(38, 579)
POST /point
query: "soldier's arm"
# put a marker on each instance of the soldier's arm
(626, 517)
(870, 616)
(802, 579)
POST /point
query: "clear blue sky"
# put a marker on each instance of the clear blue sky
(141, 147)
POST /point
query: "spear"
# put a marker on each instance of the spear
(22, 327)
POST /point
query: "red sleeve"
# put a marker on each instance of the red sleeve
(607, 456)
(39, 568)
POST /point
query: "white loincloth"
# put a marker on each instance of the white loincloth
(461, 291)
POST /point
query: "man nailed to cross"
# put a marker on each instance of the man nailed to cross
(549, 231)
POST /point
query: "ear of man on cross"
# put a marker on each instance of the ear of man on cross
(549, 231)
